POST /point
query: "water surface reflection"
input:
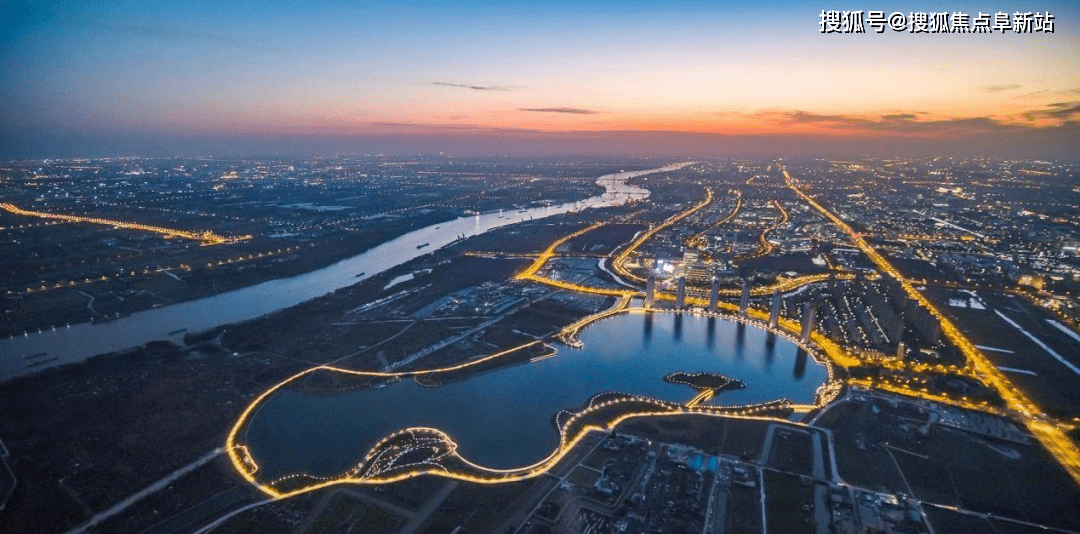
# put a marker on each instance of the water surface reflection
(504, 418)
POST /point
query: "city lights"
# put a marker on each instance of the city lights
(1048, 432)
(208, 237)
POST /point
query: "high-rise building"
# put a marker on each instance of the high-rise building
(714, 295)
(650, 290)
(774, 312)
(744, 302)
(680, 294)
(808, 313)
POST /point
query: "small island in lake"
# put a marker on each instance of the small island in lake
(705, 381)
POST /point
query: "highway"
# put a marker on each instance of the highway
(764, 246)
(152, 488)
(208, 237)
(579, 424)
(1048, 431)
(698, 239)
(620, 259)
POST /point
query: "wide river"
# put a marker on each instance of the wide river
(503, 418)
(81, 341)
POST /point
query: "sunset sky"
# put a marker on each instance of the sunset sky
(523, 77)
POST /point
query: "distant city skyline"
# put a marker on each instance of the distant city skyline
(542, 78)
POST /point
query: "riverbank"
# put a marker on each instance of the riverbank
(84, 340)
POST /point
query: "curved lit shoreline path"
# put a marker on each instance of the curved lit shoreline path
(84, 340)
(495, 426)
(425, 450)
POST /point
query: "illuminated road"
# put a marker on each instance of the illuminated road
(208, 237)
(782, 284)
(85, 340)
(834, 352)
(620, 259)
(698, 239)
(381, 466)
(383, 463)
(424, 449)
(1045, 429)
(549, 252)
(764, 246)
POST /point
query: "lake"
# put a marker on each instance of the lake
(503, 418)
